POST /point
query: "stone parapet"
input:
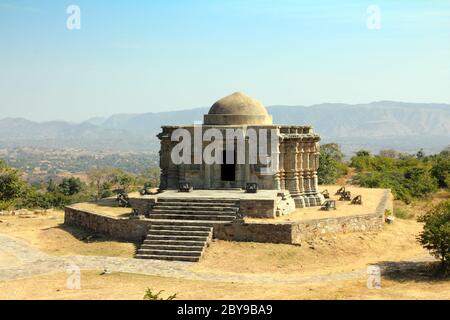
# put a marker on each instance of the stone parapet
(119, 228)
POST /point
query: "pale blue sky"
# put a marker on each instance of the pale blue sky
(149, 56)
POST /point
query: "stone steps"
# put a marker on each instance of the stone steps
(165, 242)
(152, 236)
(201, 208)
(199, 200)
(181, 223)
(181, 228)
(182, 216)
(174, 247)
(192, 211)
(170, 232)
(171, 258)
(163, 252)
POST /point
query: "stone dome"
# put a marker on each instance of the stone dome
(237, 109)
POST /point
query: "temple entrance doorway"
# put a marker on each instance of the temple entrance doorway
(228, 172)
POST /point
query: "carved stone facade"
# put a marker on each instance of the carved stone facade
(296, 151)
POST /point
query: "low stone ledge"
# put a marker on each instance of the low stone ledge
(258, 208)
(288, 232)
(120, 228)
(300, 231)
(255, 232)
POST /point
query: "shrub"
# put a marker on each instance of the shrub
(70, 186)
(11, 184)
(436, 233)
(403, 214)
(149, 295)
(331, 166)
(441, 171)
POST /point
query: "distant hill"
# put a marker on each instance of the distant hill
(379, 125)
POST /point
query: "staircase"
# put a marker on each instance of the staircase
(181, 228)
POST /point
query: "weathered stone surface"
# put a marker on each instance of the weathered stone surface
(296, 150)
(120, 228)
(286, 232)
(300, 231)
(255, 232)
(143, 205)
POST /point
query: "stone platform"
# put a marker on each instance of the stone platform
(263, 204)
(179, 226)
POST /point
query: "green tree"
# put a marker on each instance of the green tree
(441, 170)
(124, 180)
(363, 153)
(331, 165)
(389, 153)
(51, 186)
(420, 182)
(101, 178)
(70, 186)
(420, 154)
(12, 187)
(436, 233)
(361, 161)
(333, 150)
(328, 171)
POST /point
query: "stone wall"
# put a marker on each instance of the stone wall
(255, 232)
(299, 231)
(287, 232)
(260, 208)
(120, 228)
(142, 205)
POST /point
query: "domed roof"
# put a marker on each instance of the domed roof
(238, 103)
(237, 109)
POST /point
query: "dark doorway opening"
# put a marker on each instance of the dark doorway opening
(228, 169)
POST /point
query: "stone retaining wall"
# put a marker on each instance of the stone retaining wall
(299, 231)
(289, 232)
(142, 205)
(260, 208)
(120, 228)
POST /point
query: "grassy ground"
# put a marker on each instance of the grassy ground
(129, 286)
(48, 233)
(107, 206)
(416, 208)
(394, 248)
(343, 252)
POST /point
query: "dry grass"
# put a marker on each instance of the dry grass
(107, 207)
(328, 255)
(417, 208)
(129, 286)
(343, 252)
(48, 233)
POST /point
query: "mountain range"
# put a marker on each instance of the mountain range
(402, 126)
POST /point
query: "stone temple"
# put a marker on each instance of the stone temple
(200, 200)
(296, 151)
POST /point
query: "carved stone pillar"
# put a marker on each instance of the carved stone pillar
(164, 160)
(316, 167)
(306, 168)
(291, 168)
(276, 167)
(282, 166)
(300, 156)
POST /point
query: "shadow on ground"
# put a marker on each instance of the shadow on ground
(411, 271)
(89, 236)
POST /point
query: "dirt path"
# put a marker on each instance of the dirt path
(31, 262)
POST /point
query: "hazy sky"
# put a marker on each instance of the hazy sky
(142, 56)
